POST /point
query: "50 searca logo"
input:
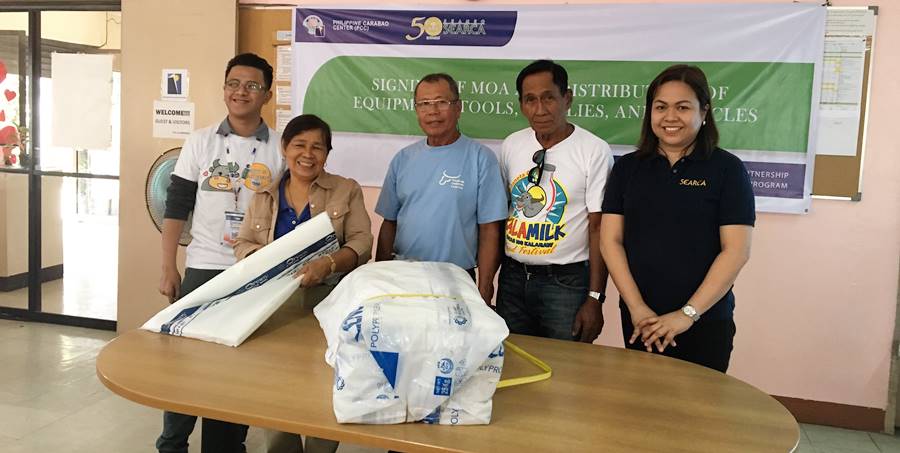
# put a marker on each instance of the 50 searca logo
(433, 27)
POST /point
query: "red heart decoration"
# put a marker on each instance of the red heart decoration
(10, 95)
(2, 116)
(2, 71)
(8, 135)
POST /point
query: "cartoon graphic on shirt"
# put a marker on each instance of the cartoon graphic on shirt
(534, 226)
(532, 201)
(256, 176)
(219, 176)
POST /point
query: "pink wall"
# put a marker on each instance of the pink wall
(816, 303)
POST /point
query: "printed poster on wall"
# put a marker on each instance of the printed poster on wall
(357, 68)
(173, 119)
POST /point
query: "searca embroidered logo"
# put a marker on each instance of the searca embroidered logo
(692, 182)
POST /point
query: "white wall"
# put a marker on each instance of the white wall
(200, 36)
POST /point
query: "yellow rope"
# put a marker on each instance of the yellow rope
(526, 379)
(547, 371)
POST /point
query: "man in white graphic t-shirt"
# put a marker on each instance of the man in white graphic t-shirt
(219, 169)
(552, 280)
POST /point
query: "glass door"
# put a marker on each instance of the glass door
(79, 174)
(59, 188)
(15, 60)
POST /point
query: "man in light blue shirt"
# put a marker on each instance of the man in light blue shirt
(443, 198)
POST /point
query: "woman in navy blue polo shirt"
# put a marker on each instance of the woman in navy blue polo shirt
(678, 214)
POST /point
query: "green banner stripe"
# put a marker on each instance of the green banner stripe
(763, 106)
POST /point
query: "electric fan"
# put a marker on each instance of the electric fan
(158, 180)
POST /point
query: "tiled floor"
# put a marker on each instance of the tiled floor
(51, 401)
(90, 249)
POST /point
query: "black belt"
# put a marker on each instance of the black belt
(545, 269)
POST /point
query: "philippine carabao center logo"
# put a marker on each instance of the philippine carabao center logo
(536, 211)
(406, 27)
(314, 25)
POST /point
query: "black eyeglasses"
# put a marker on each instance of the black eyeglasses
(535, 174)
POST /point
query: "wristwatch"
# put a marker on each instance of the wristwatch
(597, 295)
(690, 312)
(333, 263)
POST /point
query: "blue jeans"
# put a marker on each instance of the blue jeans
(542, 300)
(176, 430)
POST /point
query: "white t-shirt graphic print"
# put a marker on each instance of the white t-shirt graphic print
(548, 223)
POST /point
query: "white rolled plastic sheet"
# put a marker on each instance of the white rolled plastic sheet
(412, 341)
(232, 305)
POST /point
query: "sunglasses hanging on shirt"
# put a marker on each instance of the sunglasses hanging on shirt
(535, 174)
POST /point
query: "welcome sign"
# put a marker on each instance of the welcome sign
(357, 68)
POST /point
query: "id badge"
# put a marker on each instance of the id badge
(233, 220)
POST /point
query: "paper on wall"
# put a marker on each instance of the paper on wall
(283, 94)
(283, 64)
(282, 118)
(82, 100)
(172, 119)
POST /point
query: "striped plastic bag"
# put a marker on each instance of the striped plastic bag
(233, 304)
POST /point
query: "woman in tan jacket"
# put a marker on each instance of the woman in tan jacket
(303, 191)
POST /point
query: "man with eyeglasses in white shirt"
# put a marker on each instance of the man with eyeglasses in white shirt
(443, 198)
(219, 169)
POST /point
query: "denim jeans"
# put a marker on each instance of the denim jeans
(542, 300)
(176, 430)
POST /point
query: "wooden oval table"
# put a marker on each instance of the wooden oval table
(599, 398)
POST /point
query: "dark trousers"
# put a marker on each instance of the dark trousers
(708, 342)
(218, 437)
(541, 300)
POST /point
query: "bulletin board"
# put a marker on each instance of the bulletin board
(262, 31)
(841, 146)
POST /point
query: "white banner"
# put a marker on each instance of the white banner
(356, 68)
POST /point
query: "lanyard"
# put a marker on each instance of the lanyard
(237, 184)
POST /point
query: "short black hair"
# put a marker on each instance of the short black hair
(560, 76)
(707, 137)
(303, 123)
(437, 77)
(254, 61)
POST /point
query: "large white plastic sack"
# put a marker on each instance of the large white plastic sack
(233, 304)
(412, 341)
